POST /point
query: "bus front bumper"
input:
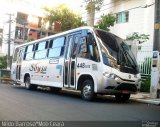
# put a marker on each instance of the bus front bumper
(119, 85)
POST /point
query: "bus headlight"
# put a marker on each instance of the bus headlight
(106, 74)
(111, 75)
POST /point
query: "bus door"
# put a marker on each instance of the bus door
(70, 61)
(19, 63)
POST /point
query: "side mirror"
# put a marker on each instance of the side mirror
(83, 47)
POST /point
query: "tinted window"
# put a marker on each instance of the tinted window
(58, 42)
(69, 47)
(30, 48)
(56, 47)
(109, 42)
(15, 54)
(41, 46)
(41, 50)
(56, 52)
(29, 56)
(29, 52)
(40, 54)
(92, 49)
(74, 52)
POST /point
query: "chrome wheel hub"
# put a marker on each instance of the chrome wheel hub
(87, 91)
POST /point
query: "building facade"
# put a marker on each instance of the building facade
(21, 24)
(133, 16)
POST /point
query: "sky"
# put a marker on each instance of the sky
(71, 3)
(75, 5)
(34, 7)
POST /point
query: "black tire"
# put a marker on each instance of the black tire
(55, 89)
(122, 97)
(28, 84)
(87, 90)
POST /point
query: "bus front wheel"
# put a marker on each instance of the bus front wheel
(28, 84)
(87, 90)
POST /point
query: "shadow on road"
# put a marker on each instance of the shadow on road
(71, 94)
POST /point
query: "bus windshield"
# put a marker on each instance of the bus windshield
(116, 53)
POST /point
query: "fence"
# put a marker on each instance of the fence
(144, 60)
(145, 66)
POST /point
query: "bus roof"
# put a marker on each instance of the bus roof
(56, 35)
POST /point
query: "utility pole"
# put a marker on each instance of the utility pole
(155, 71)
(91, 13)
(9, 42)
(156, 41)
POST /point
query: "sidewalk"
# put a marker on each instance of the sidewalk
(145, 98)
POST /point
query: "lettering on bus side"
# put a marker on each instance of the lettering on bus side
(38, 69)
(82, 65)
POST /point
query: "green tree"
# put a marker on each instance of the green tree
(106, 21)
(135, 36)
(66, 17)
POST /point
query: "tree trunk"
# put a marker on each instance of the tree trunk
(90, 13)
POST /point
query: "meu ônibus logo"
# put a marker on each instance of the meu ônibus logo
(38, 69)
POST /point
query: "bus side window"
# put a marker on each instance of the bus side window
(56, 47)
(40, 50)
(83, 52)
(75, 47)
(89, 49)
(29, 52)
(93, 49)
(15, 54)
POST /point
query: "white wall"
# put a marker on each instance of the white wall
(140, 20)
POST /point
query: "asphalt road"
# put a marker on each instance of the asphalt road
(17, 103)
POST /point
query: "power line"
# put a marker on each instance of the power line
(146, 6)
(107, 5)
(107, 9)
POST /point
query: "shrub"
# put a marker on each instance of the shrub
(3, 62)
(145, 85)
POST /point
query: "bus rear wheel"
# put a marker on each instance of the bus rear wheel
(28, 84)
(87, 90)
(122, 97)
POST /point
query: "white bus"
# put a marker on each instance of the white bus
(87, 59)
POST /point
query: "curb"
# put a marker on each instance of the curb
(148, 101)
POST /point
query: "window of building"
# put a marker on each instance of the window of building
(41, 50)
(56, 47)
(122, 17)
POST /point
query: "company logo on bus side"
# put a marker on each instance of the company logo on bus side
(38, 69)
